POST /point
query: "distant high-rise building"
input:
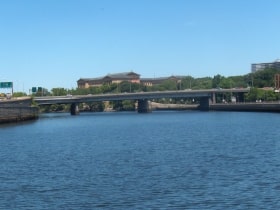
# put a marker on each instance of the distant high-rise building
(261, 66)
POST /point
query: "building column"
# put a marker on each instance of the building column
(74, 109)
(144, 106)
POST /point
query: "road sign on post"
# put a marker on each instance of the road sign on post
(41, 90)
(6, 84)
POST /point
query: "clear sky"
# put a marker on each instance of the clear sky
(53, 43)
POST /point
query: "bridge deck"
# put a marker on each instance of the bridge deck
(134, 96)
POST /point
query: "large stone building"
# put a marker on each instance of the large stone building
(261, 66)
(109, 79)
(124, 77)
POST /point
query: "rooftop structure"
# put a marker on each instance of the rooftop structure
(261, 66)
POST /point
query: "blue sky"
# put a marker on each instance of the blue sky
(53, 43)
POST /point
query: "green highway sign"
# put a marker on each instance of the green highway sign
(6, 84)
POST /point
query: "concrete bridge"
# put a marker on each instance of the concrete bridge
(206, 97)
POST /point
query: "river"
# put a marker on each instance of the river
(160, 160)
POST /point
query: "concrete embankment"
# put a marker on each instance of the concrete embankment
(247, 107)
(159, 106)
(16, 110)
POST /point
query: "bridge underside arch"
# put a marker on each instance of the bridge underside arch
(144, 106)
(74, 109)
(204, 104)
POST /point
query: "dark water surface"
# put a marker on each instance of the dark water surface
(161, 160)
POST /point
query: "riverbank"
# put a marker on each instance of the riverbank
(21, 109)
(247, 107)
(159, 106)
(17, 110)
(239, 107)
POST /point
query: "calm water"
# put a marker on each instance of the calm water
(162, 160)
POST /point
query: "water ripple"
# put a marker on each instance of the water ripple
(164, 160)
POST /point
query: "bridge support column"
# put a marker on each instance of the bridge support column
(74, 109)
(144, 106)
(213, 98)
(240, 97)
(204, 104)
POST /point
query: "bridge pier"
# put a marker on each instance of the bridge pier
(74, 109)
(144, 106)
(204, 104)
(213, 98)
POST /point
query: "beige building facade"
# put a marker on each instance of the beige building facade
(131, 77)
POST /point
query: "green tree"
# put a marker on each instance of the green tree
(239, 81)
(186, 83)
(270, 95)
(117, 105)
(19, 94)
(97, 106)
(263, 78)
(168, 85)
(59, 91)
(216, 81)
(226, 83)
(128, 105)
(253, 95)
(202, 83)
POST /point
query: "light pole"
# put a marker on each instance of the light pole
(180, 84)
